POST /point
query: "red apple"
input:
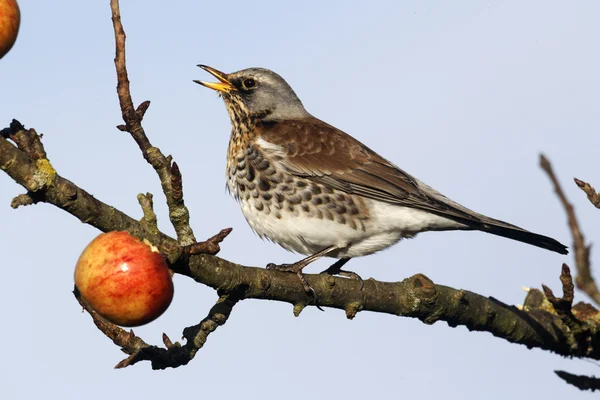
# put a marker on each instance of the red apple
(10, 19)
(125, 280)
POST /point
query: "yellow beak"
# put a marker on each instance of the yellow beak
(222, 86)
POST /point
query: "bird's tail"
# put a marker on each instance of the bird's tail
(513, 232)
(441, 205)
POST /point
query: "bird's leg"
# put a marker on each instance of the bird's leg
(336, 269)
(299, 265)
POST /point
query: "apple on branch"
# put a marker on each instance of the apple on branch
(10, 19)
(123, 279)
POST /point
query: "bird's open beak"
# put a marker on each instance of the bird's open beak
(222, 86)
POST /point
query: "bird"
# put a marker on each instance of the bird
(315, 190)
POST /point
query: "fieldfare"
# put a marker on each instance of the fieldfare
(316, 190)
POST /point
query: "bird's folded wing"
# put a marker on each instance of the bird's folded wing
(318, 151)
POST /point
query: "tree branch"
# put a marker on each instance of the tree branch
(585, 280)
(169, 175)
(537, 325)
(174, 354)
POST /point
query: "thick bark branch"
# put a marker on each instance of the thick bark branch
(537, 325)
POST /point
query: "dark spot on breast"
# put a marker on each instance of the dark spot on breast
(340, 197)
(353, 210)
(301, 183)
(315, 189)
(319, 214)
(262, 165)
(328, 215)
(252, 154)
(251, 173)
(291, 207)
(294, 199)
(305, 208)
(317, 200)
(279, 197)
(241, 165)
(341, 209)
(306, 195)
(276, 178)
(241, 187)
(341, 219)
(352, 224)
(259, 206)
(326, 199)
(278, 215)
(263, 184)
(266, 195)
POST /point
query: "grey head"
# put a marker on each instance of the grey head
(257, 92)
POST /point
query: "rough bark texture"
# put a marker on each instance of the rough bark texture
(566, 331)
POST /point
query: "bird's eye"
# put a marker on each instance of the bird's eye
(249, 83)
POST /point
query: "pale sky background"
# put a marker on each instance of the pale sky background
(463, 95)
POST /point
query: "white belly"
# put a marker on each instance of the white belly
(386, 225)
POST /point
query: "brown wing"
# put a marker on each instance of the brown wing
(318, 151)
(327, 155)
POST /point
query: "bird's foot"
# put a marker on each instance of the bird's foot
(336, 269)
(296, 268)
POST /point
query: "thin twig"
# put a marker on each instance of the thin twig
(173, 355)
(563, 305)
(585, 281)
(128, 341)
(591, 193)
(178, 212)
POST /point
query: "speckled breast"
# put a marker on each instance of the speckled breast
(265, 190)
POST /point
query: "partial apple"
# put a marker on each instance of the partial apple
(125, 280)
(10, 19)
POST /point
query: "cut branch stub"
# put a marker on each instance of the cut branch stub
(209, 246)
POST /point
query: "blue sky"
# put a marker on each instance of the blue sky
(462, 95)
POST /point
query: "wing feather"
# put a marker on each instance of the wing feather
(322, 153)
